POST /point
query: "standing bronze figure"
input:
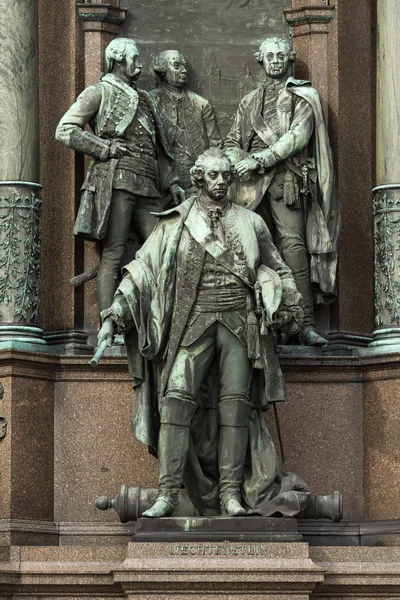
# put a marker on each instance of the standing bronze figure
(127, 140)
(279, 145)
(198, 307)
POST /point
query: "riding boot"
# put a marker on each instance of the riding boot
(173, 447)
(232, 450)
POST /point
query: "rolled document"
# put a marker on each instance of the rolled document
(98, 354)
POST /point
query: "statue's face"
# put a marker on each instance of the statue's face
(275, 57)
(132, 66)
(176, 74)
(216, 178)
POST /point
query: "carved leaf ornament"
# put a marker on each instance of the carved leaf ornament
(20, 256)
(387, 259)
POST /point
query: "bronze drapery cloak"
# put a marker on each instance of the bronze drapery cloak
(322, 209)
(159, 288)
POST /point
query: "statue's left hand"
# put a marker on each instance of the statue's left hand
(178, 194)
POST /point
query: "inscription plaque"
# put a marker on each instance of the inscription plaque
(217, 550)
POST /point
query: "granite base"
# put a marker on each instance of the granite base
(217, 529)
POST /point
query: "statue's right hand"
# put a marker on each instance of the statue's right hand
(107, 332)
(245, 167)
(117, 149)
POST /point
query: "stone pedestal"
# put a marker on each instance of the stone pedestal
(200, 572)
(217, 529)
(221, 570)
(27, 450)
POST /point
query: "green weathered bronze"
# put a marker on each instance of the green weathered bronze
(386, 206)
(279, 145)
(199, 307)
(189, 120)
(131, 502)
(126, 143)
(20, 255)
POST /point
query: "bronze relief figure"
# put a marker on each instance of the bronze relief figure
(189, 120)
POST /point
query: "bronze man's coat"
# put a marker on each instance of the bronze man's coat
(303, 126)
(109, 107)
(153, 303)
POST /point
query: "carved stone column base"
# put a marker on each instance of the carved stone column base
(386, 205)
(15, 337)
(344, 343)
(387, 340)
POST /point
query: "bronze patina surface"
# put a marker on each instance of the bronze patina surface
(126, 143)
(189, 120)
(280, 147)
(201, 351)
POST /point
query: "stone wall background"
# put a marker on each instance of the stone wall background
(218, 39)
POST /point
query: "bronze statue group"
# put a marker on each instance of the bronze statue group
(239, 243)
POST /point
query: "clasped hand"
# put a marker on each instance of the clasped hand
(106, 333)
(282, 318)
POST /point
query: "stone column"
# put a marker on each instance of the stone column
(100, 25)
(19, 156)
(386, 200)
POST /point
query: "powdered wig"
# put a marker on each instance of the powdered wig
(116, 51)
(278, 40)
(160, 63)
(197, 172)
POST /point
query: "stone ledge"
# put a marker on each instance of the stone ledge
(309, 19)
(101, 18)
(318, 534)
(292, 571)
